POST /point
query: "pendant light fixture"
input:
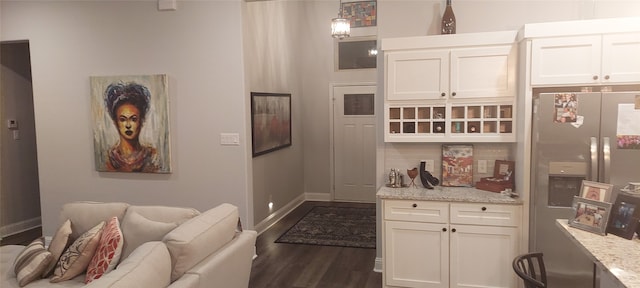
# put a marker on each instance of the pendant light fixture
(340, 27)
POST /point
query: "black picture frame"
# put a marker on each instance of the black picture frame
(270, 122)
(625, 215)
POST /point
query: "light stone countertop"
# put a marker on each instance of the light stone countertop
(446, 194)
(616, 255)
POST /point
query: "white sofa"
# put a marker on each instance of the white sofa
(203, 250)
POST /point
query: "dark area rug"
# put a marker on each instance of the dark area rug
(334, 226)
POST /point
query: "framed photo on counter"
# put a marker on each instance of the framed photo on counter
(590, 215)
(596, 191)
(624, 216)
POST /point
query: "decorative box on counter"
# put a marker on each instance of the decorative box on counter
(502, 177)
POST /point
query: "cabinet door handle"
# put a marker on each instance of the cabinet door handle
(414, 205)
(606, 77)
(453, 94)
(453, 230)
(595, 77)
(484, 208)
(443, 94)
(444, 229)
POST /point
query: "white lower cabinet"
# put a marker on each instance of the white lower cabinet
(411, 267)
(441, 244)
(481, 256)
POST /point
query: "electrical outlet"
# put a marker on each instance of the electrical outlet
(428, 165)
(482, 166)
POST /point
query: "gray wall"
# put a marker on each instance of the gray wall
(199, 47)
(272, 65)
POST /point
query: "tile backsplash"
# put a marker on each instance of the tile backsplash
(405, 156)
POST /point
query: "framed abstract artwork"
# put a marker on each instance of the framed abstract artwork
(270, 122)
(131, 123)
(361, 13)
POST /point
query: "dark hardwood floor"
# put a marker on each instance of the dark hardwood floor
(282, 265)
(22, 238)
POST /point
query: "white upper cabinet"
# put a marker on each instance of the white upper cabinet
(450, 88)
(594, 59)
(621, 58)
(417, 75)
(449, 71)
(483, 72)
(585, 52)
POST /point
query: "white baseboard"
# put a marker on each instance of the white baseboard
(276, 216)
(377, 267)
(317, 196)
(286, 209)
(15, 228)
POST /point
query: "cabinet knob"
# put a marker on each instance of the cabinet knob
(453, 94)
(414, 205)
(444, 229)
(595, 77)
(443, 94)
(606, 77)
(484, 208)
(453, 230)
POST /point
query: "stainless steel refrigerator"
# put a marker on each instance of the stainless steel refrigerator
(576, 137)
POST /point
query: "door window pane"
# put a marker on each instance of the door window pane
(358, 104)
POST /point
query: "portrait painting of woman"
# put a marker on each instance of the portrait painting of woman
(131, 127)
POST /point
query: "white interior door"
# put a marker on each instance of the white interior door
(354, 139)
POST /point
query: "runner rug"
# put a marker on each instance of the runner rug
(334, 226)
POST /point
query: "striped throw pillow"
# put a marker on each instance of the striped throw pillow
(31, 262)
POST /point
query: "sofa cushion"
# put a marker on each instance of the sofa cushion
(147, 266)
(165, 214)
(75, 259)
(137, 230)
(200, 236)
(108, 252)
(31, 262)
(59, 243)
(85, 215)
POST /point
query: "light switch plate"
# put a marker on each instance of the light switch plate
(482, 166)
(429, 166)
(230, 139)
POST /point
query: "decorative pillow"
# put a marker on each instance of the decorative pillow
(108, 252)
(86, 214)
(200, 236)
(58, 244)
(138, 230)
(76, 258)
(31, 262)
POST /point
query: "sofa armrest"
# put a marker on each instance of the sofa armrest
(229, 267)
(147, 266)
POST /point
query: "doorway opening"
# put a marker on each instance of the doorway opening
(19, 188)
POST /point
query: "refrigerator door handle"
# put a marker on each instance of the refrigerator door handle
(594, 159)
(606, 155)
